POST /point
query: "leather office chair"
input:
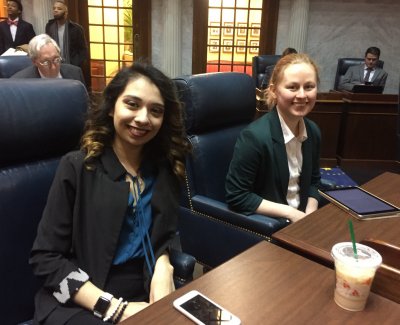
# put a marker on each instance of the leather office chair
(344, 64)
(40, 120)
(259, 64)
(10, 65)
(218, 106)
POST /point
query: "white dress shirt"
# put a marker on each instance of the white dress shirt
(295, 160)
(13, 29)
(371, 74)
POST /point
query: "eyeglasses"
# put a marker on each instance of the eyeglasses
(47, 63)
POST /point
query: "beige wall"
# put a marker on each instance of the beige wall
(346, 29)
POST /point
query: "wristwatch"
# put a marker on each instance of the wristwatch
(102, 304)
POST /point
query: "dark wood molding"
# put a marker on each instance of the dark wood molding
(142, 29)
(199, 46)
(269, 26)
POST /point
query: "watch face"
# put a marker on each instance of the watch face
(101, 306)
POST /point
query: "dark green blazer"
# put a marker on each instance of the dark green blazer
(259, 167)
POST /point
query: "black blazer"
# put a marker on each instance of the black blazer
(24, 34)
(81, 224)
(68, 71)
(78, 52)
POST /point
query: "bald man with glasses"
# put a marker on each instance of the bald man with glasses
(47, 61)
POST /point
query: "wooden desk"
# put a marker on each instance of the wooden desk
(368, 128)
(315, 235)
(270, 285)
(357, 128)
(327, 113)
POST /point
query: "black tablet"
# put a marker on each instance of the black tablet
(360, 203)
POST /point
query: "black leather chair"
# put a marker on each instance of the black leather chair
(259, 64)
(10, 65)
(344, 64)
(40, 120)
(218, 106)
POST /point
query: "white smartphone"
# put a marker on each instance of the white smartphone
(204, 311)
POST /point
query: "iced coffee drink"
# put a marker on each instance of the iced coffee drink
(354, 276)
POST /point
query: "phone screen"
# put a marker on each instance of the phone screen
(205, 311)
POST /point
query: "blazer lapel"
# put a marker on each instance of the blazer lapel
(362, 73)
(7, 33)
(376, 74)
(279, 151)
(306, 168)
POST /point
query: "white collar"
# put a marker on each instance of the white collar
(288, 134)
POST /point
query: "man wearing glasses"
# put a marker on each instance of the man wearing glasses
(47, 61)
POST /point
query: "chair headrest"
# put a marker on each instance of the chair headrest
(40, 118)
(215, 100)
(9, 65)
(260, 62)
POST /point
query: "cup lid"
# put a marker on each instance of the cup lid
(366, 256)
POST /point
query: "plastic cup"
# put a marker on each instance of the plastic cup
(354, 276)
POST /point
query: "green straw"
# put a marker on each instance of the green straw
(353, 239)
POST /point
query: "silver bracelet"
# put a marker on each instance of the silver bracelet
(118, 316)
(112, 312)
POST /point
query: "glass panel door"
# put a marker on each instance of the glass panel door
(233, 34)
(111, 39)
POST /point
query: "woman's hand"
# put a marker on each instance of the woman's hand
(162, 282)
(132, 308)
(312, 205)
(272, 209)
(295, 215)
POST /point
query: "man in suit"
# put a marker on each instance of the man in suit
(46, 58)
(68, 35)
(14, 31)
(366, 73)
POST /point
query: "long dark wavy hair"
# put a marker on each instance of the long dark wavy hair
(170, 142)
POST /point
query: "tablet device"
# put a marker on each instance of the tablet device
(361, 204)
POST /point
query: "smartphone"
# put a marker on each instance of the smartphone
(204, 311)
(360, 203)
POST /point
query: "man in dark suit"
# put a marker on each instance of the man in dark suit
(366, 73)
(46, 58)
(68, 35)
(14, 31)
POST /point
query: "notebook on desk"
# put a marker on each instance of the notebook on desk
(367, 89)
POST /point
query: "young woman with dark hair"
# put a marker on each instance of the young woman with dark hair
(102, 244)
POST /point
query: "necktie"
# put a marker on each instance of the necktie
(366, 79)
(12, 22)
